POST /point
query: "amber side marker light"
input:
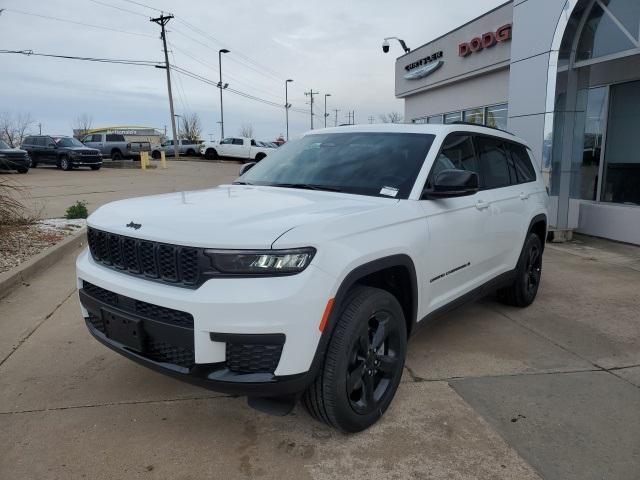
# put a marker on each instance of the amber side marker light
(325, 315)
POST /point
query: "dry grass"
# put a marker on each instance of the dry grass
(12, 211)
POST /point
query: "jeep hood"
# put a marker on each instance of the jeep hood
(228, 216)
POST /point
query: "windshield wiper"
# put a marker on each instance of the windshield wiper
(307, 186)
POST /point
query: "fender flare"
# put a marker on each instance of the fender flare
(536, 219)
(359, 272)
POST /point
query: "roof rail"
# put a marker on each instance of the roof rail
(459, 122)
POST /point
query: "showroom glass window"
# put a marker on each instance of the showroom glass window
(612, 26)
(453, 117)
(621, 176)
(475, 115)
(497, 116)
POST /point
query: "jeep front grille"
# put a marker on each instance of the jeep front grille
(173, 264)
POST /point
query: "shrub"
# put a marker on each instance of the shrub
(12, 211)
(77, 210)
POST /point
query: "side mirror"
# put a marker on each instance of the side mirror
(452, 183)
(246, 167)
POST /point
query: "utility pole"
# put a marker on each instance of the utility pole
(162, 20)
(311, 93)
(349, 113)
(221, 87)
(325, 109)
(287, 105)
(335, 122)
(372, 119)
(39, 124)
(353, 117)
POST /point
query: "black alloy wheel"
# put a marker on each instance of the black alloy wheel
(533, 270)
(373, 362)
(524, 289)
(363, 361)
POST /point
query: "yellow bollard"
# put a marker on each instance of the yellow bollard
(163, 159)
(144, 159)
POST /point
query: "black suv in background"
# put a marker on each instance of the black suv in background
(13, 158)
(64, 152)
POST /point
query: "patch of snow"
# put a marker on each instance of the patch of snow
(61, 224)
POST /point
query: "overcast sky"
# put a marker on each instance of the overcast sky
(329, 45)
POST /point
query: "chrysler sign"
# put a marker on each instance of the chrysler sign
(424, 67)
(486, 40)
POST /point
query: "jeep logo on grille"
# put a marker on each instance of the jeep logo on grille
(135, 226)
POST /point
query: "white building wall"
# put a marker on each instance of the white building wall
(489, 89)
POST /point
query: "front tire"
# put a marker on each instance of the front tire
(211, 154)
(363, 363)
(22, 170)
(522, 292)
(95, 167)
(65, 164)
(116, 155)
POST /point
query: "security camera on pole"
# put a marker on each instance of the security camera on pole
(385, 44)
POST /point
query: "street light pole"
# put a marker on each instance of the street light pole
(325, 109)
(286, 104)
(220, 52)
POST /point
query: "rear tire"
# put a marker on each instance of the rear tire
(363, 363)
(522, 292)
(191, 153)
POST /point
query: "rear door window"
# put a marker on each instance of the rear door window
(238, 141)
(114, 137)
(494, 163)
(522, 163)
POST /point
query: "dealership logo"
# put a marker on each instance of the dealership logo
(488, 40)
(424, 67)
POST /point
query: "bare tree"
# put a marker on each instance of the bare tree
(391, 117)
(13, 128)
(82, 125)
(190, 127)
(246, 130)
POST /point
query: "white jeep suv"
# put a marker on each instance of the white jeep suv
(305, 278)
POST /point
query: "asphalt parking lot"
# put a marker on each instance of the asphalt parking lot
(551, 391)
(49, 191)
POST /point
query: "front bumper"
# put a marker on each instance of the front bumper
(14, 163)
(227, 315)
(85, 161)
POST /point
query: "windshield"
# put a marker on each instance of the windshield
(67, 142)
(365, 163)
(4, 146)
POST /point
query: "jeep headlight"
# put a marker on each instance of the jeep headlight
(261, 262)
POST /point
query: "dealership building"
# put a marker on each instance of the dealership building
(564, 75)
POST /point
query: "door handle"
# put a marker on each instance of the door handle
(481, 204)
(524, 196)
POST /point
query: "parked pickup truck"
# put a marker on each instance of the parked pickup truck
(116, 145)
(246, 149)
(185, 147)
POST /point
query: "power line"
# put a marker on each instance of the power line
(232, 90)
(119, 8)
(142, 5)
(74, 22)
(141, 63)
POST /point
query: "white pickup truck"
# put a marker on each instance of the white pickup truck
(246, 149)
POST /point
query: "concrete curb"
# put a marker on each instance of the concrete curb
(14, 277)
